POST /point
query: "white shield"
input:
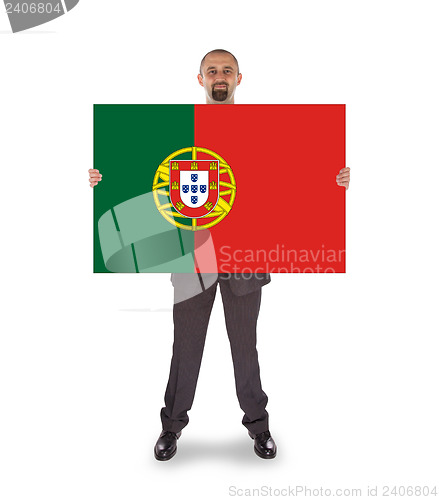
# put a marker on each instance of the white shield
(194, 187)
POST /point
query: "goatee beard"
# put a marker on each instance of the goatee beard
(220, 95)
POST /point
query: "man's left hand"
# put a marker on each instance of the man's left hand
(343, 177)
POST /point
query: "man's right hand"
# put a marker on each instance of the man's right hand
(95, 177)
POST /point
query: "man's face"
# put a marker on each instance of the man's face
(219, 78)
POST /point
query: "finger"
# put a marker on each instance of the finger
(96, 177)
(345, 184)
(93, 184)
(346, 169)
(93, 170)
(343, 176)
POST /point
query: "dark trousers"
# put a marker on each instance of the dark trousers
(191, 318)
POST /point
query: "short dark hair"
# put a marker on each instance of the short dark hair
(218, 51)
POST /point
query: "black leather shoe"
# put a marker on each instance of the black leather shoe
(265, 447)
(166, 446)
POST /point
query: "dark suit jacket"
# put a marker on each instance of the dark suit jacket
(242, 284)
(191, 284)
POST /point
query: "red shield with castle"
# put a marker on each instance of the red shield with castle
(194, 186)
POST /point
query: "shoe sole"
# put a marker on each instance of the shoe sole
(261, 455)
(164, 459)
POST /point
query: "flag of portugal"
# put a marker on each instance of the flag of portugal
(232, 188)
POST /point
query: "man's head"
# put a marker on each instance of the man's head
(219, 75)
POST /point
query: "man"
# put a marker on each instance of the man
(219, 76)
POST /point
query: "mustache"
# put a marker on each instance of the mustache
(221, 83)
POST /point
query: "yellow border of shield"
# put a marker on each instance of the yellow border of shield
(222, 208)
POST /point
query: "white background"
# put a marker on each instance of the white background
(349, 362)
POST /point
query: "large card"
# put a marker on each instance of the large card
(232, 188)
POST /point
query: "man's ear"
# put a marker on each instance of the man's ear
(239, 79)
(200, 80)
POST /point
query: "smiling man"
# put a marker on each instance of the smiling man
(241, 295)
(219, 75)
